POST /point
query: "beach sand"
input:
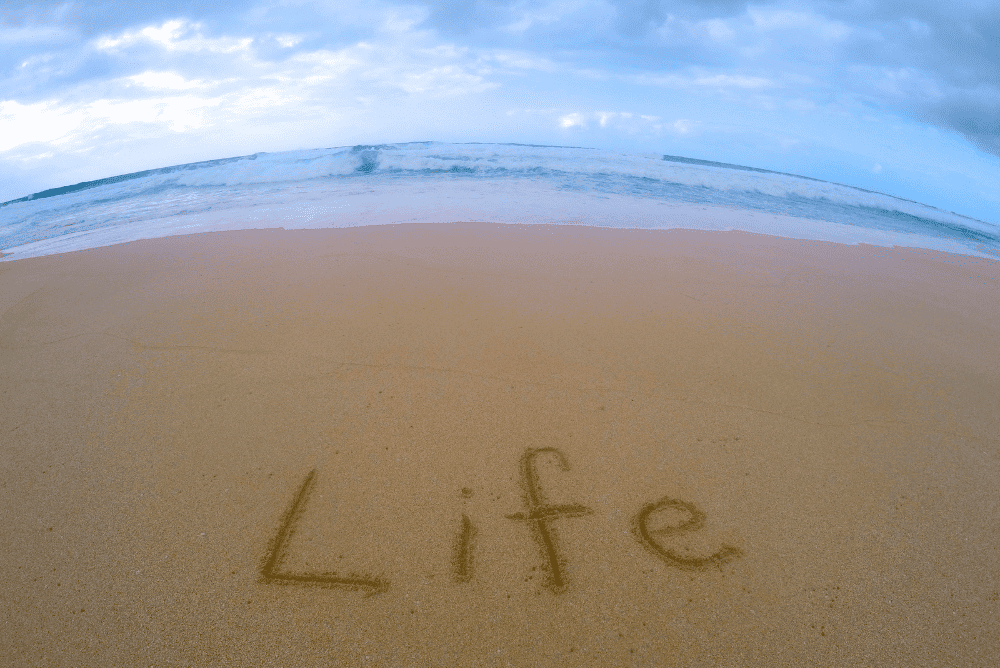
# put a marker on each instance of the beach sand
(483, 445)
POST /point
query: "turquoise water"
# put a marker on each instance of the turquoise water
(506, 183)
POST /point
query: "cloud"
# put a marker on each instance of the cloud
(178, 113)
(528, 15)
(167, 80)
(572, 120)
(41, 122)
(974, 112)
(683, 126)
(604, 117)
(288, 41)
(613, 122)
(923, 59)
(175, 77)
(175, 35)
(63, 124)
(717, 81)
(184, 65)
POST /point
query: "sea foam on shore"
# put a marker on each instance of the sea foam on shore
(504, 183)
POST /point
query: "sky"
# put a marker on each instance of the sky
(897, 97)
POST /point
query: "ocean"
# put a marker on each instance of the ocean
(430, 182)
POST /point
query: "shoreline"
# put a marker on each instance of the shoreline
(430, 203)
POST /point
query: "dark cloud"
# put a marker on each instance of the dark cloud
(901, 54)
(940, 62)
(618, 34)
(975, 116)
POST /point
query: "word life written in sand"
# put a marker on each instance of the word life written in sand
(648, 527)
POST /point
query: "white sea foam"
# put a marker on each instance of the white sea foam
(433, 182)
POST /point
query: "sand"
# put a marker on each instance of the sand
(482, 445)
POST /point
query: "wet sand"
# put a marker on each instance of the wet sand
(481, 445)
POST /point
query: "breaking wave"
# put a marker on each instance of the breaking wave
(437, 182)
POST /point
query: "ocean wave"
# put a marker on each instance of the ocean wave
(325, 180)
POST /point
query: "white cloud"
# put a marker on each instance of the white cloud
(246, 89)
(521, 60)
(167, 80)
(398, 57)
(175, 35)
(62, 124)
(614, 122)
(288, 41)
(443, 70)
(526, 61)
(551, 13)
(572, 120)
(703, 80)
(448, 80)
(319, 66)
(178, 113)
(604, 117)
(683, 126)
(41, 122)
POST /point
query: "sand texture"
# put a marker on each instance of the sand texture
(481, 445)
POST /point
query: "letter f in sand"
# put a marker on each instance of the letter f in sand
(540, 514)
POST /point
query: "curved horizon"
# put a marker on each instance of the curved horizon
(86, 185)
(366, 184)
